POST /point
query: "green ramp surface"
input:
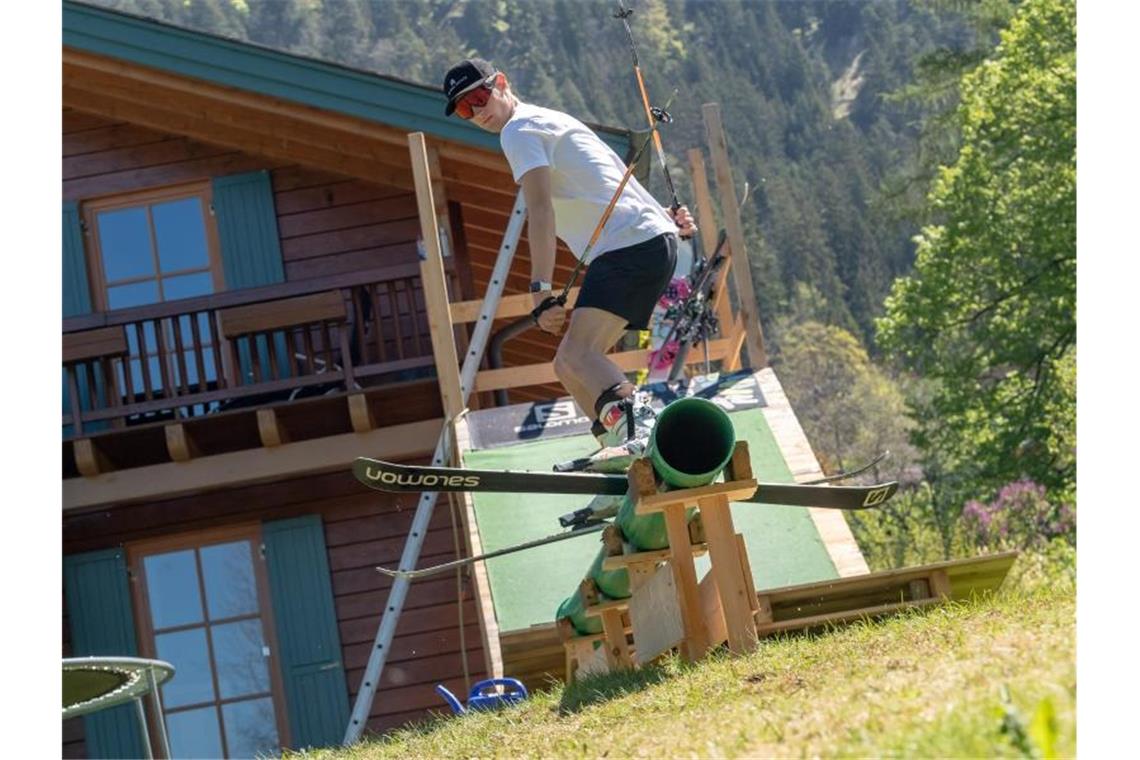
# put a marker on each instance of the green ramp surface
(784, 547)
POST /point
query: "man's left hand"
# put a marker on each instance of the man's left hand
(686, 226)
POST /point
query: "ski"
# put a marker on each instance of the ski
(399, 478)
(846, 474)
(427, 572)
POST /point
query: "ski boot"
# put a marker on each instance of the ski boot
(622, 429)
(601, 507)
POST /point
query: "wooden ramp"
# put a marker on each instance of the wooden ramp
(535, 655)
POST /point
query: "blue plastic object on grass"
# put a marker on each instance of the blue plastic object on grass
(485, 695)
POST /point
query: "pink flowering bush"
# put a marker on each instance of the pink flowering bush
(1020, 516)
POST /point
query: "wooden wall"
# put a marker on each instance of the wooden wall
(329, 224)
(363, 529)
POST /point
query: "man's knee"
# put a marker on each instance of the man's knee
(567, 360)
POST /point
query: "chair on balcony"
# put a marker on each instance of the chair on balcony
(281, 350)
(90, 377)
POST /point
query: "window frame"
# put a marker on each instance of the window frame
(137, 551)
(89, 209)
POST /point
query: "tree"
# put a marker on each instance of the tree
(850, 409)
(989, 313)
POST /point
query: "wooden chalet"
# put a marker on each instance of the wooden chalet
(244, 313)
(251, 300)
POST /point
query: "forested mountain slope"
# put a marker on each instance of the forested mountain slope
(801, 86)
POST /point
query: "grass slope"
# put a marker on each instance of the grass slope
(994, 677)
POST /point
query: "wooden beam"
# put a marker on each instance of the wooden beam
(270, 429)
(706, 219)
(93, 344)
(727, 569)
(360, 413)
(250, 466)
(484, 602)
(179, 443)
(435, 281)
(510, 307)
(285, 312)
(746, 295)
(538, 374)
(89, 459)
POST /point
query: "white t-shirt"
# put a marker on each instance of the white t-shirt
(584, 173)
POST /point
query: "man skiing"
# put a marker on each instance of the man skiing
(568, 177)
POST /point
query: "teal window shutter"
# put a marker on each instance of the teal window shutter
(251, 248)
(76, 290)
(301, 587)
(247, 230)
(99, 609)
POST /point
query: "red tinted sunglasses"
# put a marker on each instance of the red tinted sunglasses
(477, 98)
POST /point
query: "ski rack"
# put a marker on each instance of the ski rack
(455, 391)
(668, 608)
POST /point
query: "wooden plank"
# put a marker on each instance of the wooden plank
(740, 626)
(685, 580)
(655, 615)
(733, 490)
(616, 646)
(796, 624)
(994, 563)
(247, 467)
(712, 611)
(706, 220)
(435, 282)
(274, 315)
(109, 137)
(757, 354)
(179, 443)
(328, 218)
(619, 561)
(325, 193)
(596, 609)
(377, 234)
(940, 584)
(538, 374)
(92, 344)
(360, 413)
(270, 429)
(89, 459)
(510, 307)
(480, 579)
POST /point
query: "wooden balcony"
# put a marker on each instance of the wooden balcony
(248, 368)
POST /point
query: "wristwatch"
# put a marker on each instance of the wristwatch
(540, 286)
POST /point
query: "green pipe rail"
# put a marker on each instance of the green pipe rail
(690, 445)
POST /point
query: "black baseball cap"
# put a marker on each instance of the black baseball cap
(464, 76)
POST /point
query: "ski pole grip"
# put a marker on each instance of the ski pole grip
(547, 303)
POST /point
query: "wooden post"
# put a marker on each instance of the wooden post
(706, 220)
(757, 355)
(685, 580)
(727, 569)
(435, 281)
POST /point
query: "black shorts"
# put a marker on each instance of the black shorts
(628, 281)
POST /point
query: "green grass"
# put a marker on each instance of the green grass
(993, 677)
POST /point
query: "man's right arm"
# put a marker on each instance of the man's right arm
(541, 237)
(540, 223)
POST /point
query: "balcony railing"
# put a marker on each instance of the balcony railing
(245, 348)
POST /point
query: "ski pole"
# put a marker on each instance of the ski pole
(653, 115)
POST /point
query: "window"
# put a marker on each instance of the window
(203, 607)
(152, 247)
